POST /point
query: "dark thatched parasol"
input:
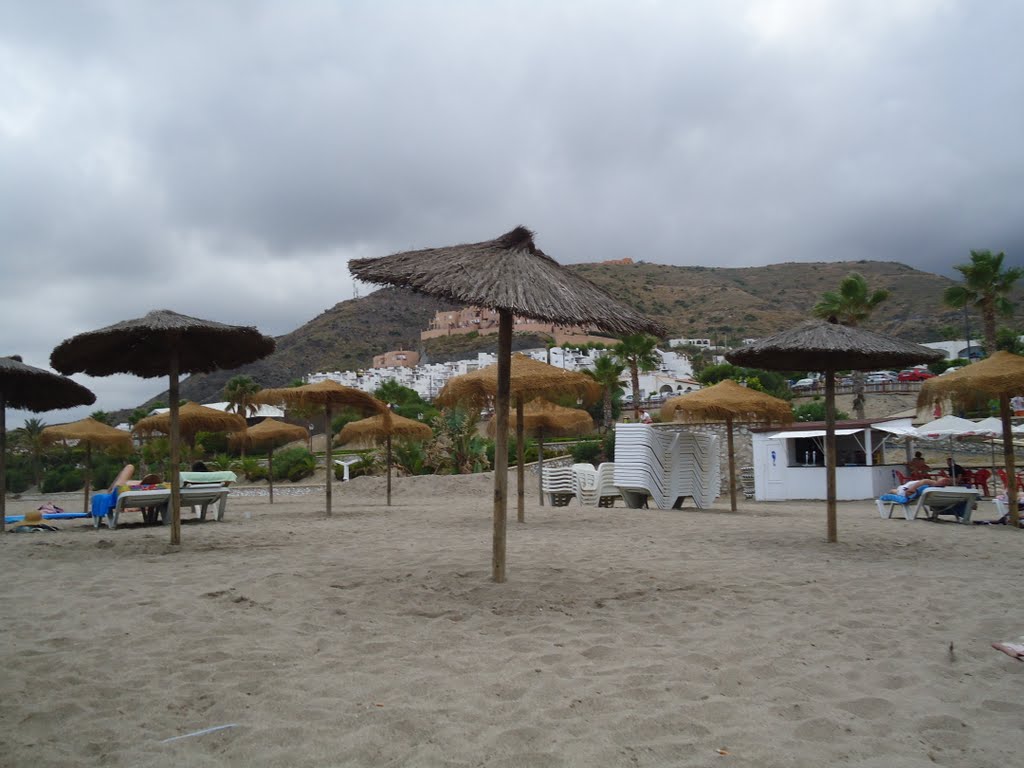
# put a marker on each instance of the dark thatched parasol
(270, 434)
(528, 378)
(729, 402)
(823, 346)
(377, 428)
(509, 274)
(1000, 376)
(32, 389)
(163, 343)
(541, 418)
(89, 433)
(329, 394)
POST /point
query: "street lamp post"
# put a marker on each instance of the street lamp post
(967, 330)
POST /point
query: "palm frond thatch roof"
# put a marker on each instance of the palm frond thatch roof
(528, 378)
(270, 433)
(35, 389)
(322, 393)
(726, 401)
(140, 346)
(1002, 373)
(90, 431)
(541, 416)
(378, 427)
(818, 345)
(508, 273)
(192, 418)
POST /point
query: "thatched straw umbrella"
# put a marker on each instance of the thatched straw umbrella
(192, 419)
(89, 432)
(509, 274)
(528, 378)
(32, 389)
(728, 401)
(384, 427)
(1001, 376)
(270, 434)
(829, 347)
(331, 395)
(540, 418)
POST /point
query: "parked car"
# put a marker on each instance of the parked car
(915, 374)
(950, 370)
(804, 384)
(880, 377)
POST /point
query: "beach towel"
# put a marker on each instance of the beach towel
(899, 499)
(1014, 649)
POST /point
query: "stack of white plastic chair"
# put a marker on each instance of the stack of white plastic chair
(596, 487)
(559, 484)
(666, 466)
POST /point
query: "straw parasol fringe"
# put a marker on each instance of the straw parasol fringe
(1001, 375)
(329, 394)
(163, 343)
(729, 402)
(34, 389)
(88, 432)
(384, 427)
(270, 434)
(509, 274)
(192, 418)
(829, 347)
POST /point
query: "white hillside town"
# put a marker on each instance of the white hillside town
(673, 376)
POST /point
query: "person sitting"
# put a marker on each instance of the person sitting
(910, 488)
(955, 470)
(645, 417)
(199, 467)
(917, 466)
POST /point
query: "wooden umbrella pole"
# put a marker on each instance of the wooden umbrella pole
(830, 454)
(389, 468)
(270, 472)
(732, 464)
(328, 458)
(501, 445)
(1011, 469)
(172, 395)
(540, 464)
(88, 474)
(3, 462)
(520, 479)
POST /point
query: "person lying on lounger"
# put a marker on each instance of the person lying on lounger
(910, 488)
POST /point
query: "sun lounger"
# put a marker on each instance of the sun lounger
(952, 500)
(152, 503)
(203, 496)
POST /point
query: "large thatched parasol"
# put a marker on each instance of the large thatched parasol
(270, 434)
(528, 378)
(329, 394)
(163, 343)
(1001, 376)
(32, 389)
(377, 428)
(729, 402)
(542, 418)
(89, 433)
(509, 274)
(829, 347)
(192, 419)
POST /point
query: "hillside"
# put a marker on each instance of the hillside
(709, 302)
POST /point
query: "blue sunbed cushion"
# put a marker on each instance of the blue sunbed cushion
(896, 498)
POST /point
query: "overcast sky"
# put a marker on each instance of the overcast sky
(225, 159)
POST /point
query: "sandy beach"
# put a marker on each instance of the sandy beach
(622, 637)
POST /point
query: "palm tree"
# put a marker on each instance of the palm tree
(31, 438)
(851, 305)
(101, 416)
(985, 287)
(637, 353)
(239, 391)
(607, 372)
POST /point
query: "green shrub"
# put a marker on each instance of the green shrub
(252, 469)
(587, 452)
(63, 479)
(19, 479)
(294, 464)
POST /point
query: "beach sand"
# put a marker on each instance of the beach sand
(622, 637)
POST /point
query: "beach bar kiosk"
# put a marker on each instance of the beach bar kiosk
(789, 463)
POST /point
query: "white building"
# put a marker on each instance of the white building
(955, 350)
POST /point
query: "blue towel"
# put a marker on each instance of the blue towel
(895, 497)
(103, 503)
(47, 516)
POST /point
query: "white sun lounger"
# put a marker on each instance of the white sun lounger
(156, 500)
